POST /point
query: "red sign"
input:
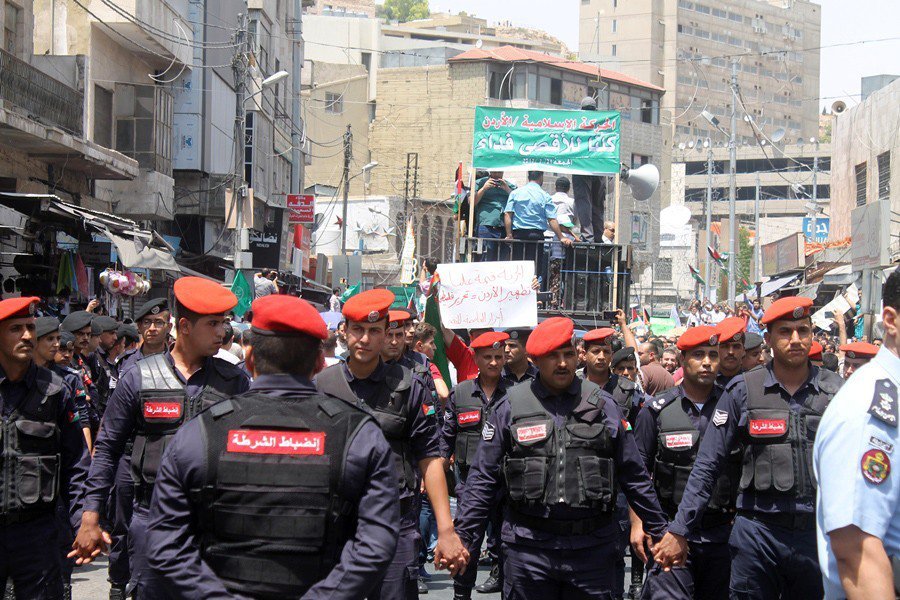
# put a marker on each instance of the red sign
(532, 433)
(258, 441)
(301, 209)
(768, 427)
(162, 410)
(465, 418)
(679, 440)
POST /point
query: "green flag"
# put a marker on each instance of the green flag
(433, 318)
(350, 292)
(241, 288)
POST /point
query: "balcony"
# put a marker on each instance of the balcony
(41, 97)
(140, 20)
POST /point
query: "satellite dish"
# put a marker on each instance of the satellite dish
(675, 216)
(643, 181)
(778, 135)
(479, 43)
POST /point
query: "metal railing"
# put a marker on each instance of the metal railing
(581, 279)
(42, 97)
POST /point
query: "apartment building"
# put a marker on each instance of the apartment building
(684, 45)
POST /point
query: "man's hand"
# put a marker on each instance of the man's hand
(671, 551)
(90, 541)
(504, 185)
(640, 542)
(509, 237)
(566, 241)
(92, 305)
(620, 318)
(450, 553)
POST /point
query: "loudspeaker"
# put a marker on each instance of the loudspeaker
(838, 107)
(643, 181)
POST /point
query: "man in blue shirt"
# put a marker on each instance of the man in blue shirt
(530, 212)
(491, 194)
(858, 521)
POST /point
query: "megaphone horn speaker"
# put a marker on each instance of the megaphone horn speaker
(643, 181)
(838, 107)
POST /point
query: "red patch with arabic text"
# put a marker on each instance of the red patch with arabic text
(259, 441)
(162, 410)
(768, 427)
(679, 440)
(467, 418)
(532, 432)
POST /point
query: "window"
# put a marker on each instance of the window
(259, 41)
(613, 50)
(10, 27)
(638, 160)
(143, 118)
(647, 111)
(615, 25)
(248, 148)
(334, 103)
(366, 60)
(861, 184)
(884, 175)
(556, 92)
(103, 116)
(664, 270)
(615, 3)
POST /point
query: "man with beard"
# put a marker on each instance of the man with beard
(669, 360)
(668, 433)
(731, 349)
(153, 399)
(773, 413)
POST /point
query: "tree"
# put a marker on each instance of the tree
(743, 265)
(404, 10)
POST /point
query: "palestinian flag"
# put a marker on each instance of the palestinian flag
(720, 260)
(433, 317)
(696, 275)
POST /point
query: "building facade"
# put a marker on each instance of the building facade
(684, 45)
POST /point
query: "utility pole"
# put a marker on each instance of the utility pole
(732, 191)
(297, 158)
(709, 176)
(757, 251)
(815, 195)
(239, 68)
(348, 154)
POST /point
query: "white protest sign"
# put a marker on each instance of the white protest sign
(487, 294)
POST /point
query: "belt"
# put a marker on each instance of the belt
(559, 527)
(796, 521)
(24, 516)
(715, 519)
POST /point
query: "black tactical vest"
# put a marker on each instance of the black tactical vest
(164, 408)
(390, 409)
(677, 447)
(623, 390)
(471, 414)
(779, 441)
(31, 450)
(273, 521)
(548, 465)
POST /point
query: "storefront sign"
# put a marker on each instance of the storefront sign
(301, 209)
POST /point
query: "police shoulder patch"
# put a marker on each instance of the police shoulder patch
(876, 466)
(487, 432)
(884, 402)
(720, 417)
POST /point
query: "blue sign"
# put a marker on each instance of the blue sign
(823, 225)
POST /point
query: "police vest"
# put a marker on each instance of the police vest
(164, 408)
(31, 450)
(471, 414)
(549, 465)
(390, 408)
(677, 447)
(779, 441)
(623, 390)
(424, 374)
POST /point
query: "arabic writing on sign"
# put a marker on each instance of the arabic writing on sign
(162, 410)
(768, 426)
(487, 294)
(258, 441)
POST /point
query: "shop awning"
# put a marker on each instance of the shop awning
(134, 253)
(840, 276)
(770, 287)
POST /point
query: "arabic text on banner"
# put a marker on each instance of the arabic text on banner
(487, 294)
(563, 141)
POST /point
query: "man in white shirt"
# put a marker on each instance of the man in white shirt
(565, 208)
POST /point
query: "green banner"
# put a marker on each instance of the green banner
(563, 141)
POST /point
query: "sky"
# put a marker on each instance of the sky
(842, 21)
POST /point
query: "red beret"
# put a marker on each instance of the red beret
(731, 329)
(17, 308)
(704, 335)
(550, 335)
(860, 350)
(790, 308)
(397, 318)
(280, 315)
(490, 339)
(815, 351)
(598, 335)
(369, 306)
(203, 296)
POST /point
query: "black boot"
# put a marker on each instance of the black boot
(116, 592)
(67, 591)
(461, 592)
(422, 586)
(492, 584)
(10, 593)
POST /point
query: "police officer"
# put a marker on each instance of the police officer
(78, 324)
(624, 364)
(300, 495)
(773, 411)
(44, 458)
(47, 350)
(731, 349)
(153, 320)
(152, 400)
(518, 368)
(470, 404)
(598, 355)
(858, 505)
(856, 354)
(558, 444)
(106, 353)
(396, 398)
(668, 433)
(753, 350)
